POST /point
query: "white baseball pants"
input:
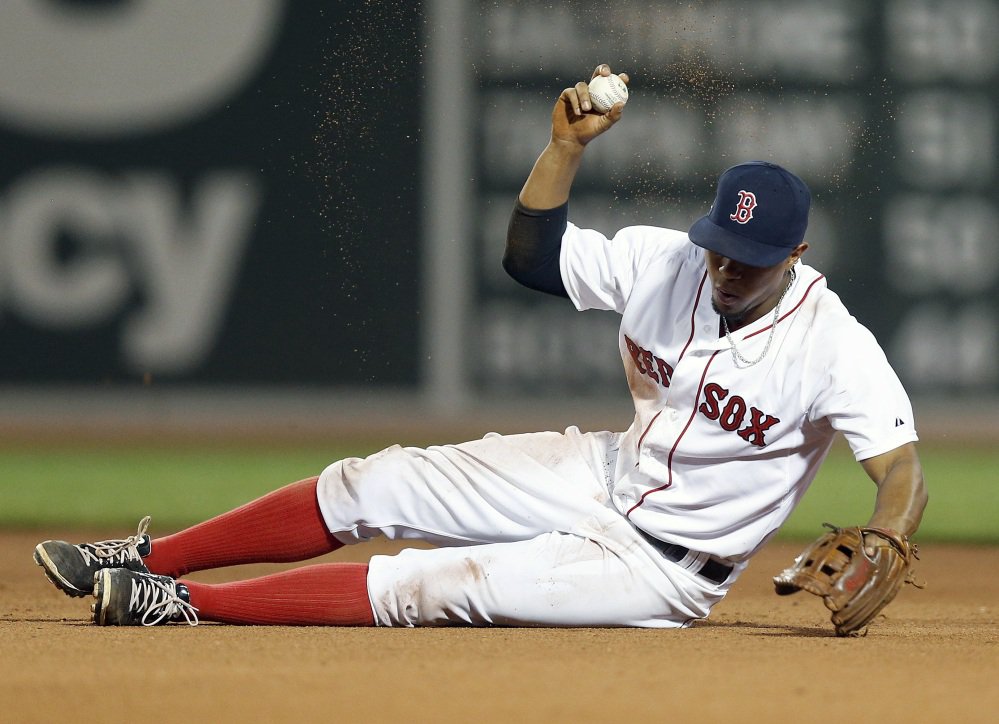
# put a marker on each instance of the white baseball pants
(528, 535)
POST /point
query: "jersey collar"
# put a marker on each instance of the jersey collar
(709, 323)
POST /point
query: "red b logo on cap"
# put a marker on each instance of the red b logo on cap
(744, 209)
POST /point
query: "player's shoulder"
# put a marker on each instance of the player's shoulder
(838, 328)
(663, 252)
(657, 238)
(650, 239)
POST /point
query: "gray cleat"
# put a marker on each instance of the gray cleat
(72, 567)
(130, 598)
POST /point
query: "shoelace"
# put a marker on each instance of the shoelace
(109, 549)
(160, 602)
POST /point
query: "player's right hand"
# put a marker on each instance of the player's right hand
(575, 121)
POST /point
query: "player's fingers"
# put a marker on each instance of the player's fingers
(625, 77)
(570, 97)
(872, 543)
(614, 114)
(583, 93)
(602, 69)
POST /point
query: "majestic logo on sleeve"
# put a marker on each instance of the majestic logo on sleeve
(744, 209)
(749, 423)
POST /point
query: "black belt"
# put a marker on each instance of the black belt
(714, 571)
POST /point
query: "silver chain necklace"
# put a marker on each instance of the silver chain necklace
(736, 354)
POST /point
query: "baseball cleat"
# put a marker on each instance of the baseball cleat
(130, 598)
(72, 568)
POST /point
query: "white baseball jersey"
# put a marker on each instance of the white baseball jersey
(720, 452)
(546, 528)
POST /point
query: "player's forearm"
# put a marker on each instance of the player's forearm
(551, 178)
(901, 497)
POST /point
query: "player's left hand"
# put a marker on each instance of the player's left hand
(856, 571)
(872, 542)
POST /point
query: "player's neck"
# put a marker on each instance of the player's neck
(765, 307)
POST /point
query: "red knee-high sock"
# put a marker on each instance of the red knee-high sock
(328, 594)
(281, 527)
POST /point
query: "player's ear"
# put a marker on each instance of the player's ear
(797, 252)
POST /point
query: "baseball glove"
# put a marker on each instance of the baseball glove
(853, 585)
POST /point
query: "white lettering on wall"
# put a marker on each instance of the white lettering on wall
(936, 244)
(814, 39)
(943, 347)
(128, 236)
(931, 40)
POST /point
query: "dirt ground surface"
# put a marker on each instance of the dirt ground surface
(933, 656)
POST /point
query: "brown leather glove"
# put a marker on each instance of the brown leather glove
(853, 585)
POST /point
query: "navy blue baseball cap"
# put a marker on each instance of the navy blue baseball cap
(758, 217)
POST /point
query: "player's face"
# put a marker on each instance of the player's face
(743, 293)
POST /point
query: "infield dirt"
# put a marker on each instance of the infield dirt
(931, 657)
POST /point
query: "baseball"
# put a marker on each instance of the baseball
(606, 90)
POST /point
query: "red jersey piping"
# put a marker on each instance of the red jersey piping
(693, 313)
(792, 310)
(690, 420)
(700, 386)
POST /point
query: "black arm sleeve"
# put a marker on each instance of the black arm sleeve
(533, 243)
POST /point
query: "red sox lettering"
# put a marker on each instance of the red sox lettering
(733, 414)
(648, 364)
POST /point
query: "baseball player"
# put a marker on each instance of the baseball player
(743, 367)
